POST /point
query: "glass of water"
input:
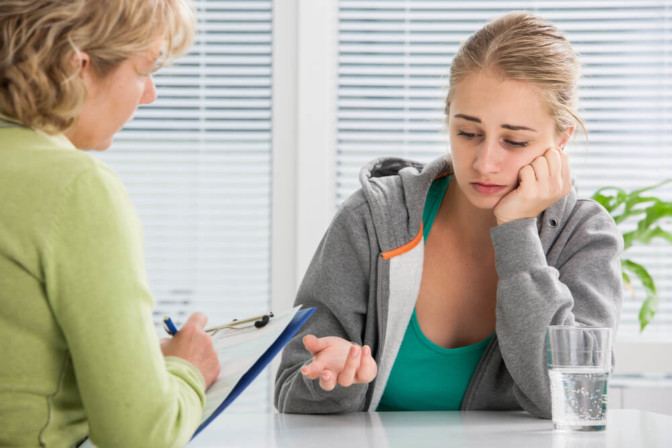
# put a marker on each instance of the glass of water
(579, 362)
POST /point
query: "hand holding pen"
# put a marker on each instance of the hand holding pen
(169, 326)
(193, 344)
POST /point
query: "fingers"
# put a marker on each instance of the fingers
(347, 375)
(368, 369)
(552, 166)
(314, 344)
(559, 181)
(194, 345)
(358, 367)
(541, 168)
(325, 359)
(526, 176)
(553, 158)
(312, 371)
(197, 320)
(327, 380)
(541, 183)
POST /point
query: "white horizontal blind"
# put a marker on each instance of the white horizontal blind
(197, 164)
(393, 61)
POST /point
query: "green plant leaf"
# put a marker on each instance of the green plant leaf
(641, 273)
(610, 202)
(627, 200)
(654, 213)
(626, 278)
(648, 210)
(650, 305)
(647, 311)
(645, 236)
(629, 209)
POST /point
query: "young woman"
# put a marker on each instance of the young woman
(80, 355)
(435, 284)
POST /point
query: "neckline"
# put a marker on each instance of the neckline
(480, 345)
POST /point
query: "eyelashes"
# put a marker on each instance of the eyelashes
(517, 144)
(513, 143)
(466, 134)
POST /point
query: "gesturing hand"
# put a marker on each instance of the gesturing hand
(542, 183)
(336, 360)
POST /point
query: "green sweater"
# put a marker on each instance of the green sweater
(79, 351)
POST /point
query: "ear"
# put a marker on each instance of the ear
(81, 61)
(565, 137)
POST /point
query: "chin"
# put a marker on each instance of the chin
(102, 146)
(484, 203)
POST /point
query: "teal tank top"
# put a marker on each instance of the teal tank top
(426, 376)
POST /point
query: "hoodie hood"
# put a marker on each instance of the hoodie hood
(396, 190)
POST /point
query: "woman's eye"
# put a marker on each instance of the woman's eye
(516, 143)
(466, 134)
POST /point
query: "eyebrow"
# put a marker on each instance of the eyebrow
(505, 126)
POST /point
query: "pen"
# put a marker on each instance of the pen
(169, 326)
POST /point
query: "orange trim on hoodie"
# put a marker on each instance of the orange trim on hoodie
(405, 248)
(415, 241)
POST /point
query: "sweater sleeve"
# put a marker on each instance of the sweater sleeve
(337, 284)
(583, 288)
(97, 289)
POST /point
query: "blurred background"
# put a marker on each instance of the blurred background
(259, 132)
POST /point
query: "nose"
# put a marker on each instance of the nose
(488, 157)
(149, 92)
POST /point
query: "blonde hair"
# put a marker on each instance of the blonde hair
(527, 48)
(39, 41)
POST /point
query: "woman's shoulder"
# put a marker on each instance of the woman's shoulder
(44, 176)
(588, 210)
(572, 211)
(37, 161)
(588, 221)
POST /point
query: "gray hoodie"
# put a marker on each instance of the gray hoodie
(562, 268)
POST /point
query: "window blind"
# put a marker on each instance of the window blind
(393, 61)
(197, 165)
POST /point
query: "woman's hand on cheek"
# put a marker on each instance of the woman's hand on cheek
(337, 361)
(542, 183)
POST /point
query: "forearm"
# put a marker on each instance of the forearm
(526, 305)
(337, 284)
(584, 288)
(296, 394)
(128, 387)
(168, 419)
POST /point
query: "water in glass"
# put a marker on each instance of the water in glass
(579, 398)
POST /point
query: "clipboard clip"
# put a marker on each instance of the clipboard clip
(255, 321)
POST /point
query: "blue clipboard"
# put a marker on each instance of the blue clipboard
(288, 333)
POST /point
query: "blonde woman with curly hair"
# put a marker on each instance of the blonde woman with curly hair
(435, 283)
(80, 354)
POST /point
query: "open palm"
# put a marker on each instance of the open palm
(337, 361)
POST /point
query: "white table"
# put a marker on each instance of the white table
(454, 429)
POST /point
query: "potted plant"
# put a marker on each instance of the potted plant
(649, 210)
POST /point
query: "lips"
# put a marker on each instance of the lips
(484, 188)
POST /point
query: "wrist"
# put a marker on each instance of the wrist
(502, 220)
